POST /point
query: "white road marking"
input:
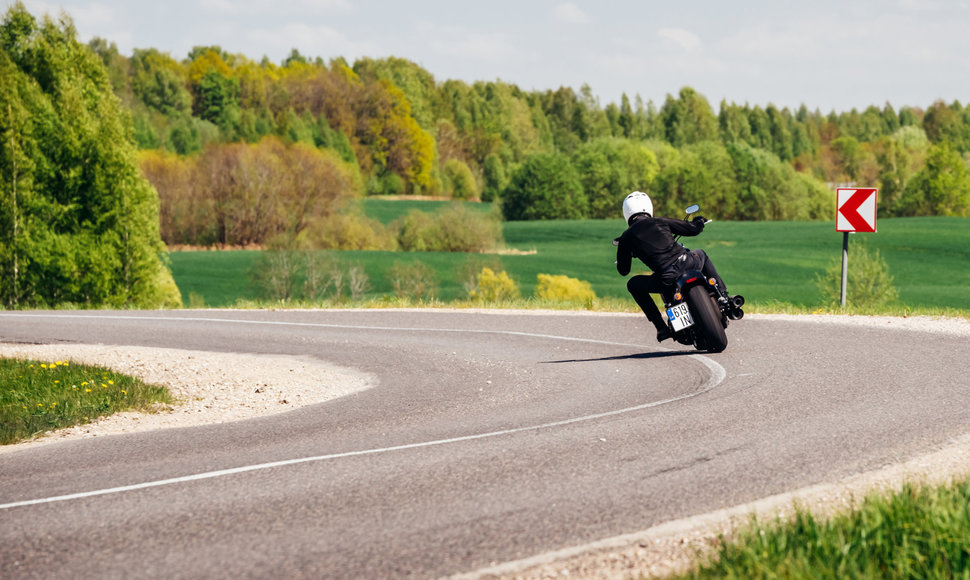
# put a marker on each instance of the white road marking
(717, 376)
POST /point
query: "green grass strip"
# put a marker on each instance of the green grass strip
(919, 532)
(36, 397)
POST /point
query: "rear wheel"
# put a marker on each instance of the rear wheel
(707, 318)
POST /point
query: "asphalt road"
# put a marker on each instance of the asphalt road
(490, 437)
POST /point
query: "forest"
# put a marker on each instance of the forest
(388, 127)
(248, 153)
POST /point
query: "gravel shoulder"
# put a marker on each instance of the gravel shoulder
(218, 388)
(208, 387)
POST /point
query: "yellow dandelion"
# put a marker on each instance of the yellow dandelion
(54, 404)
(43, 366)
(104, 386)
(123, 392)
(40, 404)
(87, 390)
(57, 382)
(111, 382)
(84, 384)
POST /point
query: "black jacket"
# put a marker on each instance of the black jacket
(651, 240)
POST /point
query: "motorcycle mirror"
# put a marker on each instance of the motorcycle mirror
(693, 209)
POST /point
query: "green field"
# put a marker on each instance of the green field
(770, 263)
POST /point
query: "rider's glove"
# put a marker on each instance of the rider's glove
(702, 220)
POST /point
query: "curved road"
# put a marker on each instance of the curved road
(489, 437)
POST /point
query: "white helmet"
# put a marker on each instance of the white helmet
(636, 202)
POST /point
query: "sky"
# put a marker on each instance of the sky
(827, 54)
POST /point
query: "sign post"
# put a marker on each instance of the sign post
(855, 211)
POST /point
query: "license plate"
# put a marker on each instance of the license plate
(679, 316)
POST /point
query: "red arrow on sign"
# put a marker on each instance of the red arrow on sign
(856, 211)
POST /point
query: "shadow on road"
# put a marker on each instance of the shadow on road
(641, 355)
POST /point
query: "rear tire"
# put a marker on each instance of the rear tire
(707, 317)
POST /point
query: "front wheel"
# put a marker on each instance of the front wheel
(707, 317)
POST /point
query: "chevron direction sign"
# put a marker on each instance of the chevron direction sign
(855, 210)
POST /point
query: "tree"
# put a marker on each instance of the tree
(239, 194)
(733, 123)
(770, 189)
(545, 187)
(157, 80)
(849, 156)
(459, 180)
(688, 119)
(945, 123)
(781, 139)
(899, 157)
(417, 84)
(83, 222)
(701, 173)
(609, 169)
(625, 119)
(493, 176)
(760, 126)
(16, 187)
(942, 187)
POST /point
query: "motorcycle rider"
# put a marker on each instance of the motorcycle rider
(651, 240)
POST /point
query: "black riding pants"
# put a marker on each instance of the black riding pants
(641, 287)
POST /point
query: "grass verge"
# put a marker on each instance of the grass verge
(41, 396)
(918, 532)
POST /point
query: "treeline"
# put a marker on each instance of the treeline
(404, 132)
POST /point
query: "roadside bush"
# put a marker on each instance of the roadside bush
(466, 230)
(358, 282)
(348, 232)
(274, 274)
(564, 289)
(494, 287)
(413, 280)
(321, 272)
(285, 274)
(417, 232)
(454, 228)
(472, 266)
(869, 282)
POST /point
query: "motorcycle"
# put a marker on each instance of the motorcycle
(697, 309)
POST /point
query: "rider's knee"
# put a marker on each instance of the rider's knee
(636, 284)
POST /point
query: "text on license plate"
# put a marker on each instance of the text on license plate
(679, 316)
